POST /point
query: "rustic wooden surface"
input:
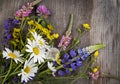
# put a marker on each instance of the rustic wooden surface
(104, 17)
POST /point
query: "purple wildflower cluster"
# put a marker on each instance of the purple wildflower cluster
(24, 11)
(72, 61)
(9, 24)
(42, 10)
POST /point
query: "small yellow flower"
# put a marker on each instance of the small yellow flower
(17, 30)
(86, 26)
(31, 22)
(56, 35)
(95, 69)
(96, 54)
(49, 37)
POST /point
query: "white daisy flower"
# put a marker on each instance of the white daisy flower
(51, 67)
(37, 53)
(52, 53)
(13, 55)
(29, 70)
(39, 40)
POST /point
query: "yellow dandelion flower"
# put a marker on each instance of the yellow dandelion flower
(56, 35)
(86, 26)
(96, 54)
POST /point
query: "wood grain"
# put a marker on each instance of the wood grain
(104, 17)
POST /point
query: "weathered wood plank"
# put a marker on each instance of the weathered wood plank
(104, 17)
(105, 29)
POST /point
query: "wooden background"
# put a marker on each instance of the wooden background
(104, 17)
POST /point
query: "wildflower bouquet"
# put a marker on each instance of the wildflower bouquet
(30, 54)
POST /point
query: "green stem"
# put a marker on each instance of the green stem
(25, 21)
(22, 24)
(36, 2)
(68, 32)
(7, 72)
(21, 41)
(71, 46)
(41, 65)
(10, 74)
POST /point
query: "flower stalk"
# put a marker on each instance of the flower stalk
(7, 72)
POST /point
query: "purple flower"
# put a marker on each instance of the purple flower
(42, 10)
(9, 24)
(83, 53)
(24, 11)
(72, 60)
(94, 75)
(83, 58)
(15, 79)
(77, 59)
(66, 56)
(72, 53)
(61, 73)
(15, 21)
(78, 63)
(9, 36)
(80, 52)
(73, 66)
(64, 42)
(63, 61)
(67, 71)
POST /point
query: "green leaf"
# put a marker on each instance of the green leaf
(93, 48)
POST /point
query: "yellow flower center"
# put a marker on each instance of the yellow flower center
(12, 55)
(36, 50)
(27, 69)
